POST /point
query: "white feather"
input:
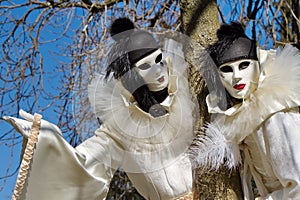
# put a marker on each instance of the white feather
(211, 150)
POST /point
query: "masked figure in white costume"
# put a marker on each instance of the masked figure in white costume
(147, 113)
(261, 117)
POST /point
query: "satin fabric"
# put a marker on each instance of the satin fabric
(272, 154)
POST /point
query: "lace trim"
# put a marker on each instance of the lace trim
(27, 157)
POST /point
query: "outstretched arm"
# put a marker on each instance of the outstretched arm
(57, 170)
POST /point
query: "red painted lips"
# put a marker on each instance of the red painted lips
(239, 86)
(161, 79)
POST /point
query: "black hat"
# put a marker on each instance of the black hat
(232, 45)
(141, 44)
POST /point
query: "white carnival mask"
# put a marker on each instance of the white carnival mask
(153, 69)
(240, 78)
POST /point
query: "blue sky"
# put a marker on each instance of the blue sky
(10, 151)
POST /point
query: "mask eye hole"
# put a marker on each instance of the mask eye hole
(244, 65)
(158, 58)
(144, 66)
(226, 69)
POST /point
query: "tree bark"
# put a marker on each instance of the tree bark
(200, 21)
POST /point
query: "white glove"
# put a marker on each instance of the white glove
(24, 126)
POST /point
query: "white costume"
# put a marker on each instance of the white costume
(152, 151)
(265, 127)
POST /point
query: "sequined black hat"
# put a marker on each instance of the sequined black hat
(232, 45)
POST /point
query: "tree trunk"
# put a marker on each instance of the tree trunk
(200, 22)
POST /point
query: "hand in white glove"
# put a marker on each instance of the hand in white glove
(24, 126)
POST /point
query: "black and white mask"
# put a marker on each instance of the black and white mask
(153, 69)
(240, 78)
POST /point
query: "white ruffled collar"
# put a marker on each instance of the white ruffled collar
(155, 141)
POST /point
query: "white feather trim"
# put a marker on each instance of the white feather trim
(211, 150)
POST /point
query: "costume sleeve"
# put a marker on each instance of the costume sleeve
(282, 133)
(58, 171)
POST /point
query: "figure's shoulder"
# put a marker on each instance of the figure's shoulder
(288, 112)
(284, 116)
